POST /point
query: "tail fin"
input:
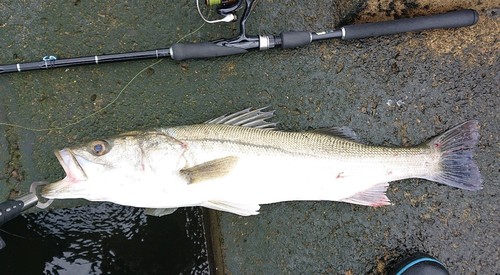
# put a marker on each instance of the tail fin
(457, 148)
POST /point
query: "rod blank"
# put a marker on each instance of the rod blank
(49, 63)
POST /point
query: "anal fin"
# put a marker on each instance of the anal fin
(373, 196)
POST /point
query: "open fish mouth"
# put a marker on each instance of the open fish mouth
(67, 187)
(70, 164)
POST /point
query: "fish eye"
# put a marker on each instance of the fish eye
(99, 147)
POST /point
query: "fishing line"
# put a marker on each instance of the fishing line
(15, 235)
(87, 116)
(103, 108)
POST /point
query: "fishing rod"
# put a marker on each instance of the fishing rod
(244, 43)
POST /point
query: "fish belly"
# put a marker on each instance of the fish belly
(263, 179)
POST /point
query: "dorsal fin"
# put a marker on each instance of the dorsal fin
(342, 132)
(254, 118)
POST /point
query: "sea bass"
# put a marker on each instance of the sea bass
(237, 162)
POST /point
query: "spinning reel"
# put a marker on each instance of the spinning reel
(238, 44)
(225, 8)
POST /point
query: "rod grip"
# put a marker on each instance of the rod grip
(452, 19)
(182, 51)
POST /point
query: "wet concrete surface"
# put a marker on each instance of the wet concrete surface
(440, 78)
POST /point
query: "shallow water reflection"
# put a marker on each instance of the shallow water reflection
(104, 238)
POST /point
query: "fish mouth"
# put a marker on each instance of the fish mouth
(69, 186)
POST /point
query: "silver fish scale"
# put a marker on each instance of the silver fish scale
(301, 143)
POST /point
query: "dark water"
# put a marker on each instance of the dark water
(104, 238)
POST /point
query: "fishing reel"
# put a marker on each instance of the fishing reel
(228, 9)
(225, 8)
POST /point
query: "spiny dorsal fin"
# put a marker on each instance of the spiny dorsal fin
(210, 170)
(342, 132)
(254, 118)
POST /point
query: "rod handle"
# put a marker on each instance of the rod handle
(9, 210)
(182, 51)
(452, 19)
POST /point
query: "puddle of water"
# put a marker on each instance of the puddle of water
(105, 238)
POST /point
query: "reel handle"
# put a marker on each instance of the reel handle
(452, 19)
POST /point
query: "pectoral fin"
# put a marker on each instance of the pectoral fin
(158, 212)
(210, 170)
(235, 208)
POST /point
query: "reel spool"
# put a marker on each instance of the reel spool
(225, 8)
(220, 2)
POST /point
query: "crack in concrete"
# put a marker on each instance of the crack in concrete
(12, 173)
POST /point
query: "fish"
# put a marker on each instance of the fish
(238, 162)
